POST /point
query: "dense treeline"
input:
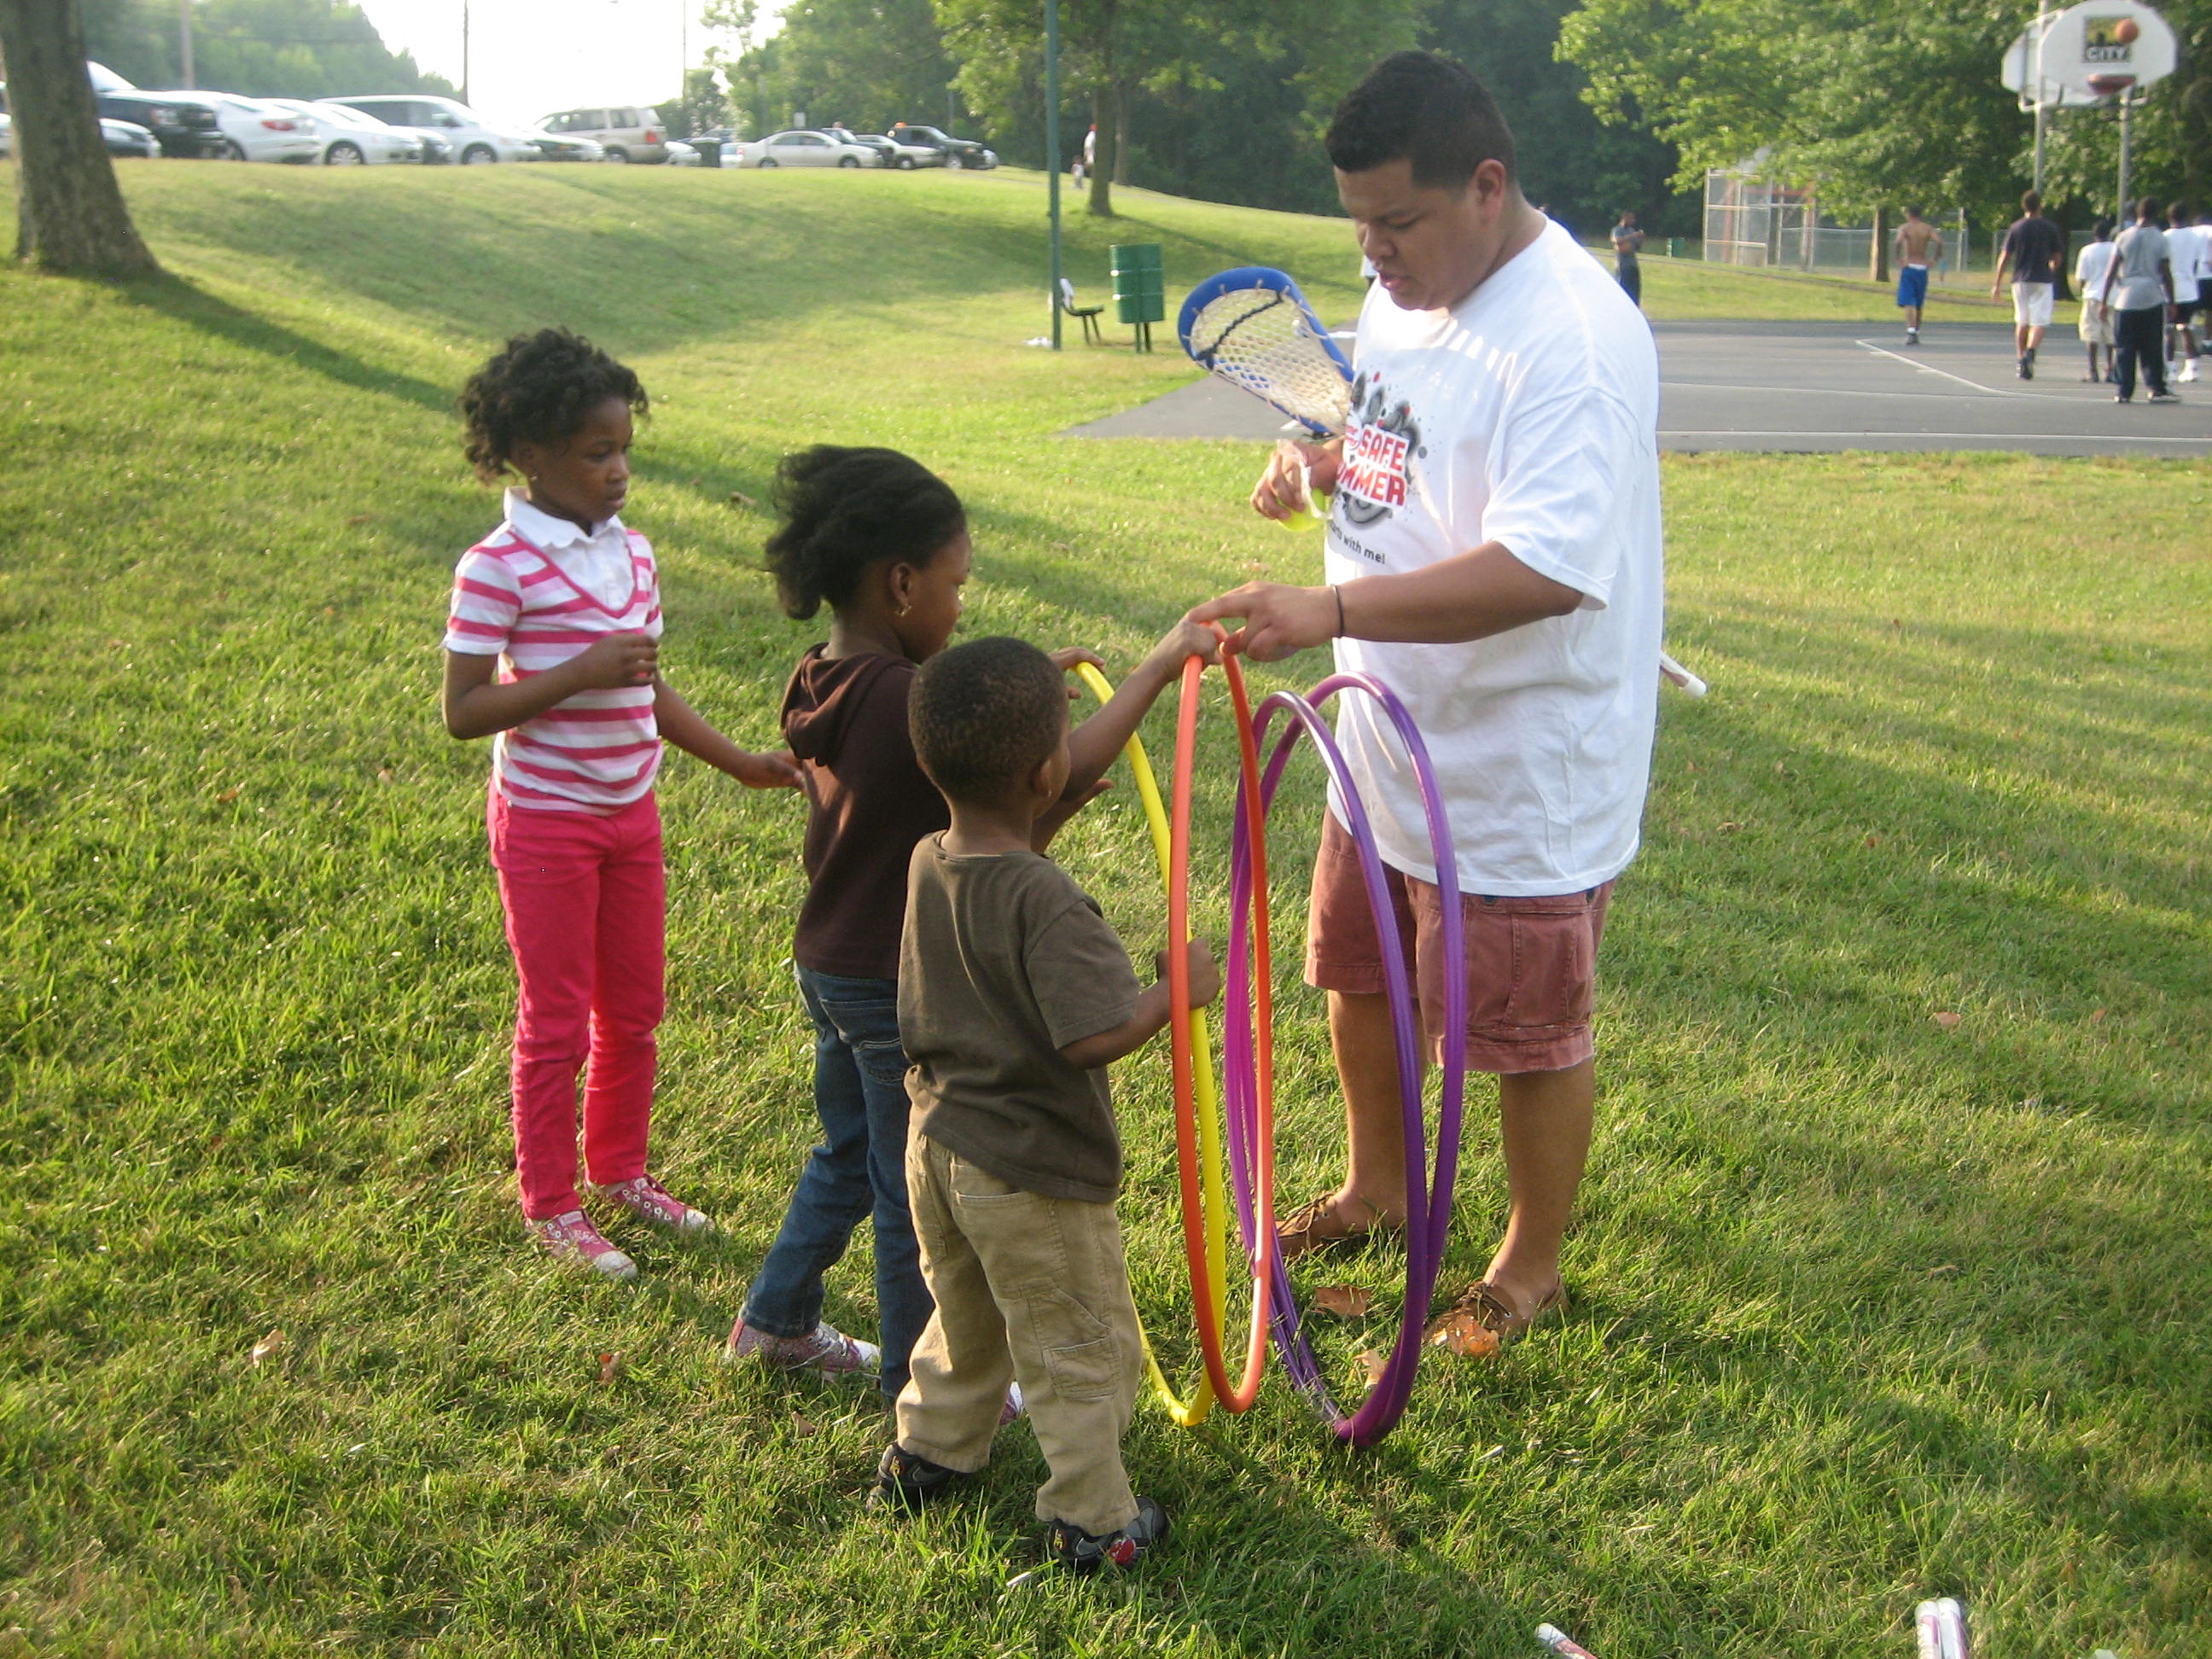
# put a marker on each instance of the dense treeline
(1218, 100)
(262, 48)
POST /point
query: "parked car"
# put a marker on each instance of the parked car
(566, 147)
(629, 132)
(475, 141)
(7, 134)
(350, 139)
(255, 131)
(957, 152)
(186, 127)
(681, 155)
(905, 157)
(124, 138)
(802, 148)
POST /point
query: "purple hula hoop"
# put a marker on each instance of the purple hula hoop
(1428, 1203)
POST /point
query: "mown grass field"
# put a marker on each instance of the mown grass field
(1870, 1304)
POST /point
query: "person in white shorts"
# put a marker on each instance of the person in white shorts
(2033, 247)
(2184, 245)
(2096, 325)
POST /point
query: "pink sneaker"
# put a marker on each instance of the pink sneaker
(572, 1238)
(825, 1349)
(648, 1200)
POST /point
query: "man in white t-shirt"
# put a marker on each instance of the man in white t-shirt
(2095, 326)
(1494, 558)
(2184, 245)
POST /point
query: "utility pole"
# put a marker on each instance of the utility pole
(185, 40)
(464, 51)
(1052, 148)
(2042, 99)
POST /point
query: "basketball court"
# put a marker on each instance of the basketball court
(1798, 386)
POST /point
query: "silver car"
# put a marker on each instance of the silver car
(801, 149)
(352, 139)
(475, 141)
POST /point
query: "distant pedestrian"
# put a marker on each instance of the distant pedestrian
(2096, 324)
(2033, 247)
(1627, 243)
(2184, 245)
(1916, 246)
(2139, 292)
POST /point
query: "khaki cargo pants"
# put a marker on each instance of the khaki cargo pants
(1029, 1288)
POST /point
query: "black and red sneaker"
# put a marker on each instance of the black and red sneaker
(1082, 1552)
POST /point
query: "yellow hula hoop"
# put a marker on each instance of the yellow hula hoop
(1190, 1413)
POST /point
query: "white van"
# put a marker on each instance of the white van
(475, 141)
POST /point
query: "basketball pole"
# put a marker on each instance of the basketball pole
(1052, 148)
(2042, 92)
(2127, 111)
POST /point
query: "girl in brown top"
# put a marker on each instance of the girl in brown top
(883, 542)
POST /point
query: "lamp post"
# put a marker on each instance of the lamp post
(1052, 148)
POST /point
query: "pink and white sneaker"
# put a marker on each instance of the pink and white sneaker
(648, 1200)
(572, 1238)
(825, 1349)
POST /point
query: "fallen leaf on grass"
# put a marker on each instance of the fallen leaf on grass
(1874, 840)
(232, 793)
(362, 518)
(1945, 1271)
(801, 1426)
(1730, 827)
(267, 1345)
(1372, 1364)
(2096, 1018)
(1947, 1020)
(384, 775)
(742, 501)
(610, 1367)
(1464, 1335)
(1345, 1301)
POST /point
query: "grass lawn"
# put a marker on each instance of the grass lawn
(1889, 1269)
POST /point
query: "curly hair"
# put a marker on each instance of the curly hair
(538, 390)
(845, 509)
(983, 715)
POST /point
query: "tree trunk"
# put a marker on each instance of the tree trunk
(1120, 134)
(70, 216)
(1878, 256)
(1106, 116)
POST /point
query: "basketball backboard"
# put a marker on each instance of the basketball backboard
(2090, 52)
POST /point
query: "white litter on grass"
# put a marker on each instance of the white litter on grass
(1044, 340)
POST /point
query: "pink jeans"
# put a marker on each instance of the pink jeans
(585, 902)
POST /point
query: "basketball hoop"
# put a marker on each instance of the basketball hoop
(2109, 86)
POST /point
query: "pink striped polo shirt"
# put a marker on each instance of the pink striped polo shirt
(535, 593)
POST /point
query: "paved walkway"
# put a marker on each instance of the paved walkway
(1819, 386)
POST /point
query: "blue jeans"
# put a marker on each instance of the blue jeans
(858, 1170)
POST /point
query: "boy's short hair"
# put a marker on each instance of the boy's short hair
(986, 714)
(1427, 109)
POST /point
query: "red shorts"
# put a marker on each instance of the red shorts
(1531, 963)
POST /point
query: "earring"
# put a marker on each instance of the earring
(902, 610)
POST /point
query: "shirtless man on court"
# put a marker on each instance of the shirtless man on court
(1917, 246)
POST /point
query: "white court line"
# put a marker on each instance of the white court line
(1925, 368)
(1816, 391)
(1997, 439)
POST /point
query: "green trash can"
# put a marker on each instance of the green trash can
(1674, 247)
(1139, 288)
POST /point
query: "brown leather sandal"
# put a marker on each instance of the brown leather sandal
(1315, 1226)
(1496, 1314)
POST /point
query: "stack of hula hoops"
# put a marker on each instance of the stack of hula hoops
(1239, 1115)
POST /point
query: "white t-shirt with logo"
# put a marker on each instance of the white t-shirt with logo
(1525, 416)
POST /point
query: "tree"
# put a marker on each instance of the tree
(1583, 168)
(866, 62)
(261, 48)
(70, 212)
(1116, 53)
(1872, 101)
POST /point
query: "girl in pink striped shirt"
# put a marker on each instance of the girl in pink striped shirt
(552, 643)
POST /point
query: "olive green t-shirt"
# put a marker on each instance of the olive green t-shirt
(1004, 962)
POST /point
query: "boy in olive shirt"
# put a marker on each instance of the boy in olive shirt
(1014, 995)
